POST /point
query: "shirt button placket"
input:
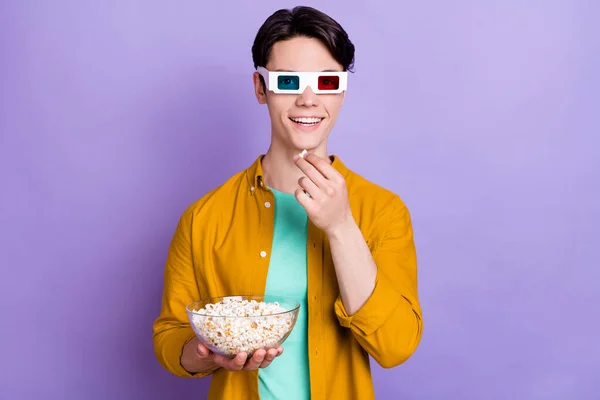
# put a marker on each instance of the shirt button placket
(267, 204)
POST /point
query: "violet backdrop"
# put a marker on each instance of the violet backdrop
(483, 116)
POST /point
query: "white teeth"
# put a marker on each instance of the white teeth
(305, 120)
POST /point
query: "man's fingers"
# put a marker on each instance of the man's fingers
(256, 360)
(271, 354)
(231, 364)
(260, 359)
(312, 173)
(203, 351)
(240, 360)
(321, 165)
(309, 187)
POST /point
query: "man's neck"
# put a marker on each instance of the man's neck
(280, 170)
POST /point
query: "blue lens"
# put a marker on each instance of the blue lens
(288, 82)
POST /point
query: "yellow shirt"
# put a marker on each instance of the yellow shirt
(221, 247)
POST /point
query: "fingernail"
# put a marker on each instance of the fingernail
(295, 158)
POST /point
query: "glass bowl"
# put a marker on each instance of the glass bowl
(233, 324)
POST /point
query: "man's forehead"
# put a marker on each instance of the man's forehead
(301, 54)
(317, 70)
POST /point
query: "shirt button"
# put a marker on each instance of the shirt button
(261, 183)
(252, 188)
(263, 254)
(267, 204)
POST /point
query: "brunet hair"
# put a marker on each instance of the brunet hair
(308, 22)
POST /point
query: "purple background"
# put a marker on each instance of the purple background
(483, 116)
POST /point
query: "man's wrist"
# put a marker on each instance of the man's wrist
(191, 363)
(336, 232)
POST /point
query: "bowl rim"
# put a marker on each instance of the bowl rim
(206, 299)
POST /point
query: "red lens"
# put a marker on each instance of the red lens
(329, 82)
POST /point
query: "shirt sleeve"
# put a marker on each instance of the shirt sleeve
(389, 325)
(172, 329)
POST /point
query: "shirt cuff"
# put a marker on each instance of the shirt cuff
(173, 351)
(374, 312)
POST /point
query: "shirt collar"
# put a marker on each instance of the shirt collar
(254, 173)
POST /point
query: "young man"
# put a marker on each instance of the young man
(305, 227)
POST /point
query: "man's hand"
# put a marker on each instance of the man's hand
(198, 358)
(328, 206)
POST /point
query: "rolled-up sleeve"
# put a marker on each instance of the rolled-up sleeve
(389, 324)
(172, 329)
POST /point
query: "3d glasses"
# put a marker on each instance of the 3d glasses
(297, 82)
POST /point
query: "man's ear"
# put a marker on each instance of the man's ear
(259, 88)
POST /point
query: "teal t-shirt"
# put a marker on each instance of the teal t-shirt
(288, 375)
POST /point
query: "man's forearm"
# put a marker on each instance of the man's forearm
(354, 266)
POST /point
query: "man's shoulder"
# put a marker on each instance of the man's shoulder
(373, 201)
(375, 207)
(219, 197)
(365, 190)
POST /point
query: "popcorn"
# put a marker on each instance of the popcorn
(234, 325)
(304, 152)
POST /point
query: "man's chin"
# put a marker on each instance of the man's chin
(303, 141)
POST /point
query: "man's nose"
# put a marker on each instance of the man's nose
(308, 98)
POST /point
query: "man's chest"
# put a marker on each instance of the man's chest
(235, 258)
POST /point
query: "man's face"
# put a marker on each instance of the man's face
(300, 54)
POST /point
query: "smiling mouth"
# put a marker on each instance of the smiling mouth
(306, 121)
